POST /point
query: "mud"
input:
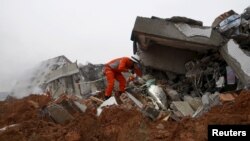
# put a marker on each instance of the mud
(114, 124)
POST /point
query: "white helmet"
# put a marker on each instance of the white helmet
(135, 58)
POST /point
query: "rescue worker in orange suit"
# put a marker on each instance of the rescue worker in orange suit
(113, 71)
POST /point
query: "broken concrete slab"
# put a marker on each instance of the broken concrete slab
(238, 60)
(96, 99)
(81, 106)
(214, 99)
(151, 112)
(148, 111)
(137, 102)
(66, 70)
(201, 110)
(194, 102)
(64, 80)
(158, 42)
(127, 103)
(209, 100)
(177, 114)
(206, 99)
(158, 95)
(172, 34)
(59, 114)
(164, 115)
(69, 106)
(183, 107)
(198, 112)
(124, 98)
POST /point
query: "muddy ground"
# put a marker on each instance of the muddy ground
(114, 124)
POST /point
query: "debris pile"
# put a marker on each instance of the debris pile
(193, 76)
(206, 66)
(21, 120)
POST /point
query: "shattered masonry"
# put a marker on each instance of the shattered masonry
(189, 70)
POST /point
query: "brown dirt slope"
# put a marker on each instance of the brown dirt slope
(114, 124)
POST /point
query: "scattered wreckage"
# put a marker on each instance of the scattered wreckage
(188, 69)
(195, 60)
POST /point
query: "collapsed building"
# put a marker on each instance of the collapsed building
(58, 76)
(71, 79)
(196, 62)
(34, 79)
(182, 46)
(170, 45)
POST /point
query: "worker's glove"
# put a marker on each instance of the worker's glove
(131, 78)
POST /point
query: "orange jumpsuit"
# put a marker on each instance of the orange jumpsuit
(113, 71)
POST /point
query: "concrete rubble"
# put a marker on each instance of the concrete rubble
(183, 107)
(238, 59)
(167, 39)
(211, 61)
(188, 70)
(58, 113)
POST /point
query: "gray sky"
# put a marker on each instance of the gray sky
(95, 30)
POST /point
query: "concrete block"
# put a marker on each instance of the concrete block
(136, 101)
(198, 111)
(183, 107)
(81, 106)
(206, 99)
(59, 114)
(69, 106)
(151, 112)
(66, 70)
(126, 101)
(215, 99)
(193, 102)
(157, 93)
